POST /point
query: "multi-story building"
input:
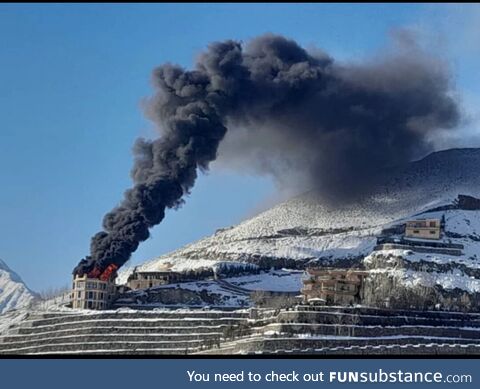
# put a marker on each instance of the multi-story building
(93, 293)
(423, 228)
(334, 286)
(149, 279)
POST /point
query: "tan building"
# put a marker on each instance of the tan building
(92, 293)
(334, 286)
(423, 229)
(149, 279)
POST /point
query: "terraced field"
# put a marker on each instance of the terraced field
(303, 330)
(359, 331)
(135, 332)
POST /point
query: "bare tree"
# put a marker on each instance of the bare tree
(265, 299)
(52, 292)
(338, 320)
(354, 321)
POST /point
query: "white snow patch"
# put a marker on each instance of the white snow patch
(14, 294)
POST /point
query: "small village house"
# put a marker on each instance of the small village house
(150, 279)
(423, 229)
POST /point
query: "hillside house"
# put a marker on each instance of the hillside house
(423, 228)
(334, 286)
(149, 279)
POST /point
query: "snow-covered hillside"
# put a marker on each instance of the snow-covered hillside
(14, 294)
(450, 273)
(307, 228)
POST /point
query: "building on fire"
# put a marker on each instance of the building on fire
(95, 290)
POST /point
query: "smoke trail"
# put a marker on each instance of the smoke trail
(287, 110)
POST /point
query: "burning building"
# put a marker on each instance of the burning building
(94, 290)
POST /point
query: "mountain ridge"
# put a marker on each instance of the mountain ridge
(14, 293)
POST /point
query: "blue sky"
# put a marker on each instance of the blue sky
(72, 80)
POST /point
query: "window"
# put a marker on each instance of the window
(416, 231)
(80, 285)
(432, 232)
(90, 295)
(433, 224)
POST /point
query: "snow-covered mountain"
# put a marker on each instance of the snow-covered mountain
(14, 294)
(306, 228)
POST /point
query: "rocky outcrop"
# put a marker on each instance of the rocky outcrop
(468, 202)
(385, 287)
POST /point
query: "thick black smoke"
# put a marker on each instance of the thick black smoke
(287, 110)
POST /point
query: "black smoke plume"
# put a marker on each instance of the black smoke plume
(287, 110)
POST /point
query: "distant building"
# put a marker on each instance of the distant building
(93, 293)
(334, 286)
(423, 228)
(149, 279)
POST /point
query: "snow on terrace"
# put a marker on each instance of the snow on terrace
(274, 281)
(440, 259)
(351, 244)
(11, 318)
(449, 281)
(225, 297)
